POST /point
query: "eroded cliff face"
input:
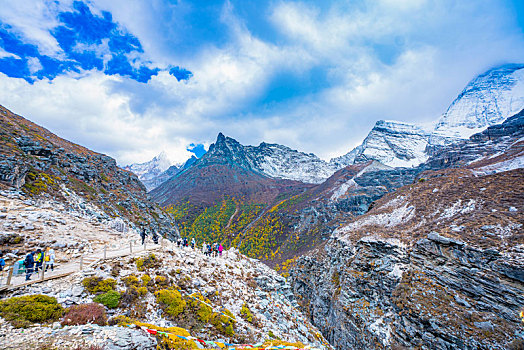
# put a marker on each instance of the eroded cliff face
(438, 264)
(438, 293)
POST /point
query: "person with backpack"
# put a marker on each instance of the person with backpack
(143, 235)
(29, 264)
(2, 263)
(155, 237)
(50, 259)
(209, 250)
(220, 249)
(185, 242)
(193, 243)
(204, 248)
(39, 259)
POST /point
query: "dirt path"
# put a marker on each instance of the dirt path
(62, 270)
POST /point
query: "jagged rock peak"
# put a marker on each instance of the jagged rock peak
(269, 159)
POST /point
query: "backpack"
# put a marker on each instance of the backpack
(46, 257)
(27, 261)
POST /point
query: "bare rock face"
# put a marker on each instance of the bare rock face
(439, 293)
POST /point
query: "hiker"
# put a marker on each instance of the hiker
(204, 248)
(220, 249)
(143, 235)
(155, 237)
(215, 250)
(185, 242)
(29, 263)
(39, 259)
(2, 263)
(193, 243)
(50, 259)
(209, 249)
(178, 242)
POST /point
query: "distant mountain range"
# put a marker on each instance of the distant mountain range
(487, 100)
(157, 170)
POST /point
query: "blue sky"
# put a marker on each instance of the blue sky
(133, 78)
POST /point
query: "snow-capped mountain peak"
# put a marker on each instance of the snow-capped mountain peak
(393, 143)
(152, 168)
(487, 100)
(271, 160)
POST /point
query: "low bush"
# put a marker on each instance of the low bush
(85, 313)
(22, 311)
(203, 311)
(111, 299)
(246, 313)
(224, 323)
(148, 262)
(131, 280)
(161, 281)
(95, 285)
(145, 279)
(170, 301)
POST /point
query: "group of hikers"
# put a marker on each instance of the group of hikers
(34, 261)
(143, 235)
(209, 249)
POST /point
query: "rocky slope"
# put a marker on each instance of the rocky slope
(44, 165)
(436, 264)
(230, 284)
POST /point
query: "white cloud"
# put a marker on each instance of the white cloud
(5, 54)
(33, 20)
(34, 64)
(403, 60)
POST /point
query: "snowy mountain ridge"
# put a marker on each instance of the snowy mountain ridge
(489, 99)
(273, 160)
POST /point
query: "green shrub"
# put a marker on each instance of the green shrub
(109, 299)
(273, 336)
(161, 281)
(223, 323)
(145, 279)
(246, 313)
(131, 280)
(203, 311)
(22, 311)
(141, 291)
(96, 285)
(171, 301)
(146, 263)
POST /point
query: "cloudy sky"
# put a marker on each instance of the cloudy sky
(131, 78)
